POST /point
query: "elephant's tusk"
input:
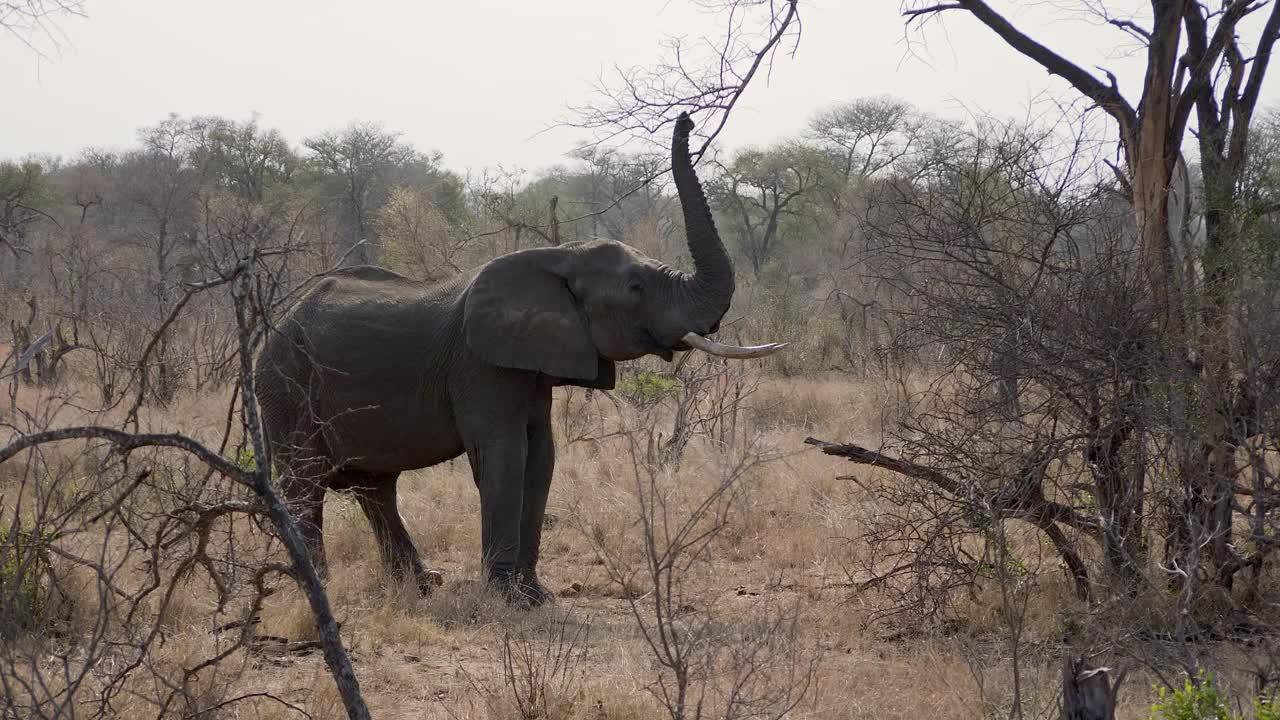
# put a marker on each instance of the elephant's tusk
(695, 340)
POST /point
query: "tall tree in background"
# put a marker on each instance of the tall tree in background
(760, 190)
(24, 189)
(416, 237)
(162, 187)
(867, 135)
(619, 191)
(248, 159)
(360, 161)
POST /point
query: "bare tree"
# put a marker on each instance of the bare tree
(1011, 268)
(416, 236)
(501, 197)
(164, 183)
(1196, 66)
(621, 193)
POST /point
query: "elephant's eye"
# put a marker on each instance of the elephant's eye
(636, 287)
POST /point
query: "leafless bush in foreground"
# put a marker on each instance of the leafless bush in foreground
(702, 397)
(712, 660)
(117, 554)
(542, 663)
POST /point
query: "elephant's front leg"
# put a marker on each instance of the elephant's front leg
(498, 465)
(537, 485)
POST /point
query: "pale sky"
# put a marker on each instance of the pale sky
(478, 79)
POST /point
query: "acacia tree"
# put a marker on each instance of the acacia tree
(248, 159)
(867, 135)
(359, 160)
(758, 190)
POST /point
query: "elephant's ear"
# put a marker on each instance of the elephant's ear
(519, 314)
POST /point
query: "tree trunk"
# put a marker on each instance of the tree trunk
(555, 221)
(1088, 694)
(166, 383)
(21, 344)
(1119, 484)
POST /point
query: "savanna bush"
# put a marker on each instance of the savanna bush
(645, 388)
(1198, 699)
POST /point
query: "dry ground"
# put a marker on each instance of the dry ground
(790, 544)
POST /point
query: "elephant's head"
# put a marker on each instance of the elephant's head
(571, 311)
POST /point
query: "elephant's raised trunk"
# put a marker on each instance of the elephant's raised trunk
(709, 290)
(711, 286)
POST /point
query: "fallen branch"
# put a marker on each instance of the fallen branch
(1030, 506)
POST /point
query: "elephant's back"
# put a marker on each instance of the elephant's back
(362, 346)
(361, 318)
(370, 273)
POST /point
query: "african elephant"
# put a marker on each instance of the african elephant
(371, 374)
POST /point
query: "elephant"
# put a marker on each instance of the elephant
(371, 374)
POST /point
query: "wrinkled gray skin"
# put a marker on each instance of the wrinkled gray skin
(372, 374)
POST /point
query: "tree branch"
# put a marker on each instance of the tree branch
(1030, 507)
(1261, 59)
(1204, 54)
(126, 442)
(1009, 506)
(1132, 28)
(1107, 97)
(648, 99)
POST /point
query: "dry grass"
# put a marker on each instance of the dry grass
(791, 540)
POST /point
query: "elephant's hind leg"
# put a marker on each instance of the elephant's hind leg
(377, 497)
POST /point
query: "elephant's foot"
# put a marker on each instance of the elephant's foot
(533, 587)
(425, 580)
(518, 590)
